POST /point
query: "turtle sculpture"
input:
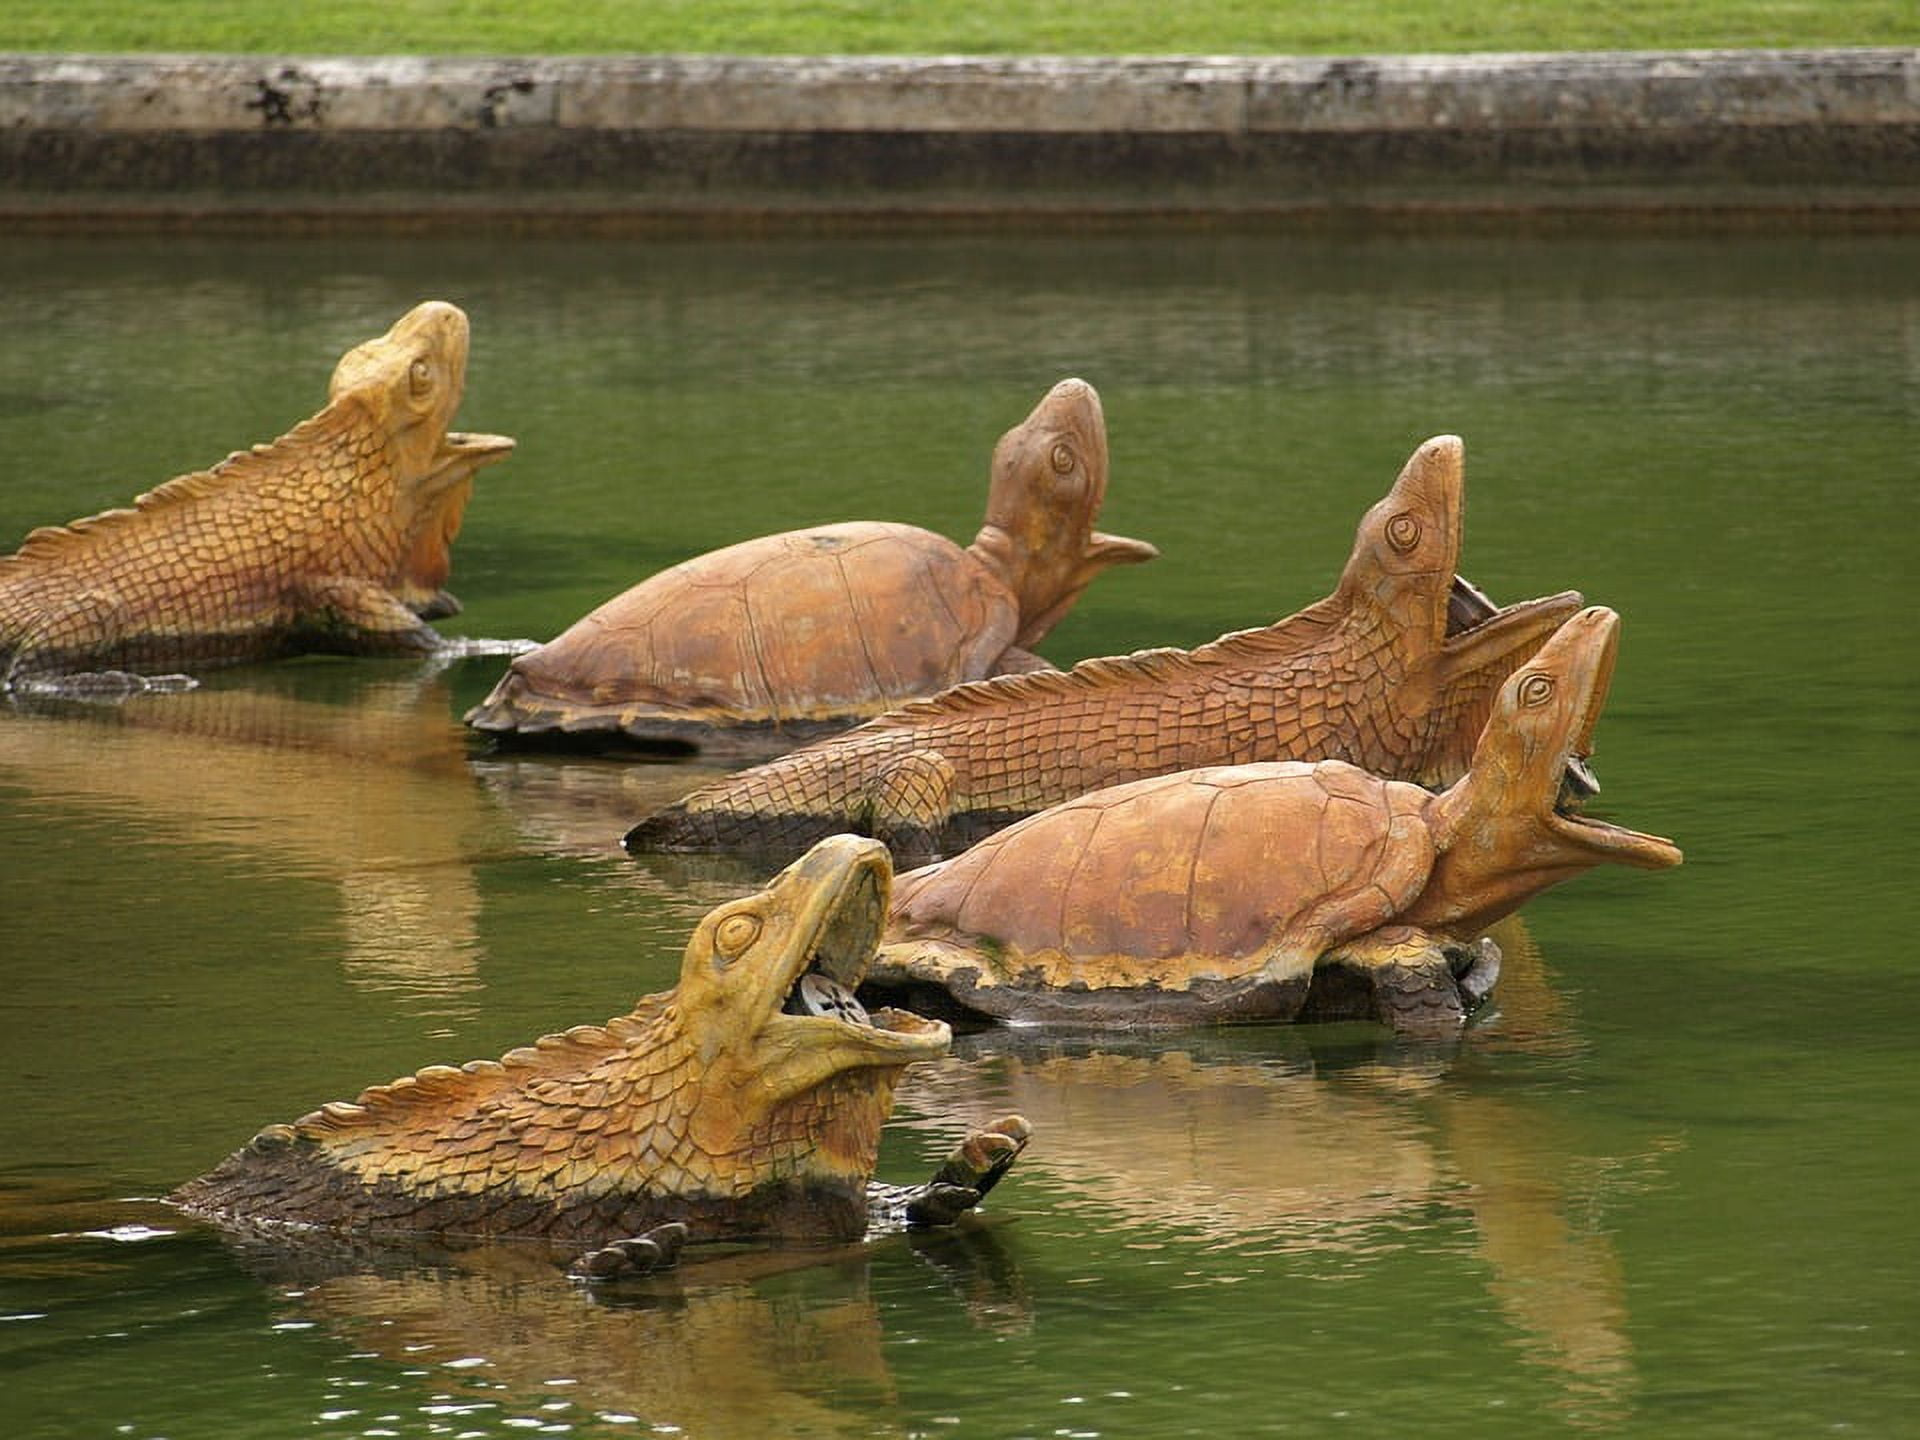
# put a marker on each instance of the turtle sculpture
(774, 641)
(1394, 671)
(745, 1103)
(1274, 891)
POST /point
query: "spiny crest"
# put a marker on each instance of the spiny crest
(1163, 666)
(1297, 633)
(317, 435)
(1150, 666)
(648, 1027)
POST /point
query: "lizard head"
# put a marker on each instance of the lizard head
(1515, 824)
(1049, 481)
(765, 1002)
(410, 380)
(1402, 583)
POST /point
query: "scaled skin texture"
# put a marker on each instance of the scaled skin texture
(335, 537)
(1275, 891)
(709, 1107)
(774, 641)
(1374, 675)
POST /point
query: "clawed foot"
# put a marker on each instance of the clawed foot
(974, 1168)
(658, 1249)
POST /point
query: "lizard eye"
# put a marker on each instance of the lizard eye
(1062, 458)
(735, 934)
(1403, 532)
(420, 377)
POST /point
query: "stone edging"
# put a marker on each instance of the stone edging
(164, 135)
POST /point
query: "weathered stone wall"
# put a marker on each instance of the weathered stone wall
(1835, 131)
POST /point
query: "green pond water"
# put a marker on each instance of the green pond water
(1664, 1187)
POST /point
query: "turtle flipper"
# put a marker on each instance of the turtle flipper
(909, 803)
(658, 1249)
(964, 1178)
(1417, 983)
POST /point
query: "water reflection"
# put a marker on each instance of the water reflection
(1258, 1142)
(579, 807)
(725, 1347)
(714, 1361)
(369, 791)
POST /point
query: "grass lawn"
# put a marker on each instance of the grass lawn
(1017, 27)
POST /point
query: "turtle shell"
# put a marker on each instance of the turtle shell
(1203, 895)
(792, 635)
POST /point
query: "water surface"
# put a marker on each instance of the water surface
(1662, 1189)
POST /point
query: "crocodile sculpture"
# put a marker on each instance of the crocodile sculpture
(334, 537)
(1375, 675)
(745, 1103)
(1276, 891)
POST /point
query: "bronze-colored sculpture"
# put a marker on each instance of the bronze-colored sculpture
(1375, 674)
(335, 537)
(745, 1103)
(1277, 891)
(774, 641)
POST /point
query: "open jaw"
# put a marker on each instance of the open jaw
(1467, 606)
(1614, 842)
(473, 448)
(1577, 785)
(1498, 631)
(832, 962)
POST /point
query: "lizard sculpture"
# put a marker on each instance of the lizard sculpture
(334, 537)
(745, 1103)
(1276, 891)
(763, 645)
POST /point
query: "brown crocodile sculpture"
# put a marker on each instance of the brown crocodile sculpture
(1374, 675)
(334, 537)
(1275, 891)
(746, 1103)
(771, 642)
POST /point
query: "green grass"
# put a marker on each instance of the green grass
(1019, 27)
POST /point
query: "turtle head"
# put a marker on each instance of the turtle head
(1514, 825)
(1454, 645)
(766, 1001)
(1049, 481)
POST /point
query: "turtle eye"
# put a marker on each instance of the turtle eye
(420, 377)
(1062, 458)
(735, 934)
(1536, 689)
(1403, 532)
